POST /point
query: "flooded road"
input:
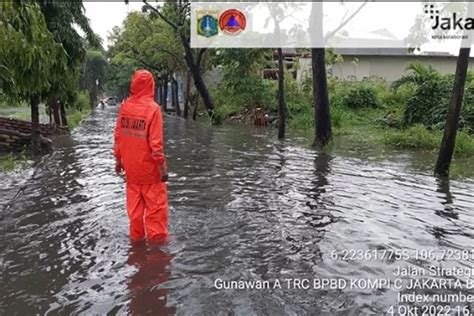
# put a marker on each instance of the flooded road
(243, 206)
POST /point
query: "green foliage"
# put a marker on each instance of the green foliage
(252, 91)
(395, 98)
(29, 56)
(338, 116)
(41, 49)
(81, 108)
(360, 96)
(430, 96)
(150, 42)
(82, 101)
(419, 137)
(76, 116)
(242, 85)
(414, 137)
(299, 105)
(93, 74)
(467, 112)
(119, 73)
(7, 163)
(429, 104)
(10, 162)
(464, 143)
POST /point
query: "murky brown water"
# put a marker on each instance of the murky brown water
(244, 206)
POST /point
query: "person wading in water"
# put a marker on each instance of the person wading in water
(139, 152)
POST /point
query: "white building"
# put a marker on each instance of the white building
(387, 63)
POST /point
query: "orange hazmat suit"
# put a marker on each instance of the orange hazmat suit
(139, 152)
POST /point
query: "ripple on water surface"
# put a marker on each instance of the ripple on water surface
(243, 206)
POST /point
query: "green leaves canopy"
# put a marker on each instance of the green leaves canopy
(28, 53)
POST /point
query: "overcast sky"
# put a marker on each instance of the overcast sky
(105, 15)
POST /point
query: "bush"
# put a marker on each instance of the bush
(467, 112)
(464, 143)
(234, 96)
(82, 101)
(421, 138)
(80, 109)
(395, 98)
(74, 118)
(10, 162)
(302, 119)
(430, 97)
(414, 137)
(361, 96)
(428, 105)
(337, 116)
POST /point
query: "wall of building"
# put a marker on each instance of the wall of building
(390, 68)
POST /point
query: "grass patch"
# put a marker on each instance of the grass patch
(376, 126)
(74, 118)
(418, 137)
(464, 144)
(413, 137)
(11, 162)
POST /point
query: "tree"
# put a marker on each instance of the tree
(176, 15)
(417, 37)
(152, 44)
(40, 51)
(278, 15)
(455, 105)
(452, 121)
(93, 74)
(29, 56)
(119, 72)
(281, 96)
(63, 20)
(322, 116)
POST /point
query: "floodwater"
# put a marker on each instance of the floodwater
(243, 206)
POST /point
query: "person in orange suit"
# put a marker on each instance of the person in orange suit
(139, 152)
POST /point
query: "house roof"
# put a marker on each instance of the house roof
(395, 52)
(389, 52)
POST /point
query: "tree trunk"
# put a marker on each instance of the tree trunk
(187, 86)
(158, 93)
(281, 96)
(165, 94)
(322, 117)
(163, 99)
(35, 127)
(452, 121)
(201, 87)
(195, 110)
(50, 112)
(93, 96)
(55, 109)
(63, 114)
(175, 94)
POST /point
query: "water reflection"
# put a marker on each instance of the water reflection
(444, 187)
(146, 290)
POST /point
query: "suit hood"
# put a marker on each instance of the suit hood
(142, 85)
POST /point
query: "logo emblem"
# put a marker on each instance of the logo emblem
(207, 23)
(232, 22)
